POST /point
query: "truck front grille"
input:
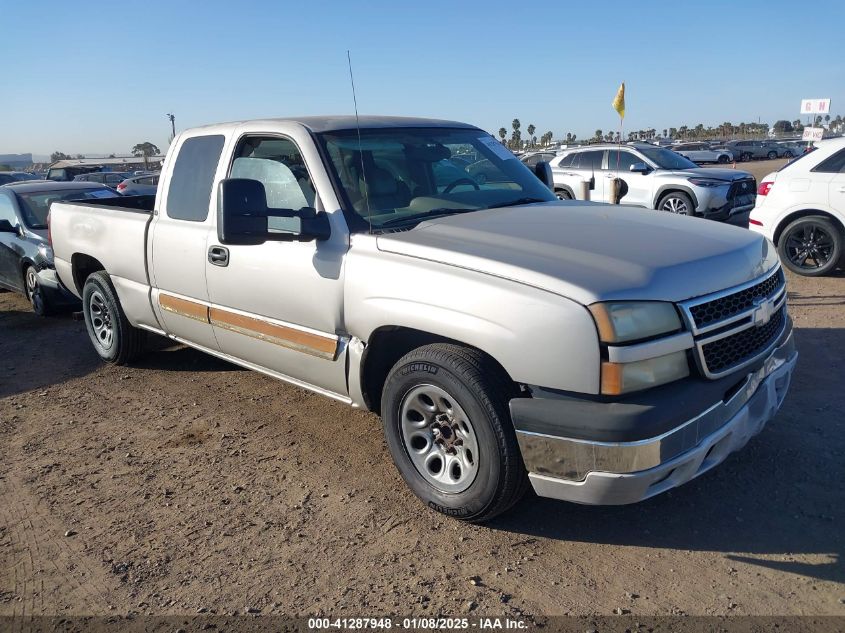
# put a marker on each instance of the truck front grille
(735, 327)
(729, 352)
(722, 308)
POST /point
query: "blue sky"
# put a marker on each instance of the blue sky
(98, 77)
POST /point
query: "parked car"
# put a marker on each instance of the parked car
(503, 336)
(11, 176)
(657, 178)
(533, 158)
(702, 153)
(26, 258)
(109, 178)
(791, 149)
(749, 150)
(801, 208)
(139, 185)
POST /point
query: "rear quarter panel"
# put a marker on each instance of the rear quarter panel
(115, 238)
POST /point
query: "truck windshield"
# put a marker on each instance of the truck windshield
(667, 159)
(398, 176)
(35, 205)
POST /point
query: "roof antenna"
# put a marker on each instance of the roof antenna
(360, 149)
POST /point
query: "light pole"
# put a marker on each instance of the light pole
(172, 118)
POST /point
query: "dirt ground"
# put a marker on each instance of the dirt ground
(183, 484)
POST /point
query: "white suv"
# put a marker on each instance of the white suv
(801, 208)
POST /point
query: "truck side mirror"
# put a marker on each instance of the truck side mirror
(640, 168)
(241, 212)
(543, 171)
(244, 218)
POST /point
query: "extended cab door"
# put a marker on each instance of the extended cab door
(177, 245)
(278, 305)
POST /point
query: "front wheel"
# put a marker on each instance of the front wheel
(723, 159)
(563, 194)
(676, 202)
(811, 246)
(114, 338)
(35, 294)
(772, 155)
(446, 421)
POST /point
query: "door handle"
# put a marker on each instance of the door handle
(218, 255)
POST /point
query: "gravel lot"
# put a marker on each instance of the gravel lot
(183, 483)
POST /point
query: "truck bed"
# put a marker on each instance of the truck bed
(108, 233)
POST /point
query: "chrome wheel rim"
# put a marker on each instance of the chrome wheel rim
(439, 438)
(31, 283)
(675, 205)
(101, 320)
(809, 243)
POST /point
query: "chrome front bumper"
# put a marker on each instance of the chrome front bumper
(614, 473)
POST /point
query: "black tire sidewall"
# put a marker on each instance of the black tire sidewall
(482, 491)
(38, 301)
(96, 283)
(831, 229)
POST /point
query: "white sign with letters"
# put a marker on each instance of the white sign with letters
(812, 134)
(815, 106)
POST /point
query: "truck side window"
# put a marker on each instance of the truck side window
(277, 163)
(193, 174)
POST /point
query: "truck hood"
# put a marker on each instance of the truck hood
(707, 172)
(592, 252)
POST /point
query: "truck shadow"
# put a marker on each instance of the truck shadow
(167, 355)
(776, 504)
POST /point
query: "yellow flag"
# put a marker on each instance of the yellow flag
(619, 101)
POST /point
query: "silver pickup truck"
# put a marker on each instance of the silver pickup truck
(602, 354)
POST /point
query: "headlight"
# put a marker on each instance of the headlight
(623, 321)
(619, 378)
(46, 253)
(707, 182)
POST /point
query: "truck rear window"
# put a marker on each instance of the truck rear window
(193, 175)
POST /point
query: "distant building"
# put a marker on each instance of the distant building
(16, 160)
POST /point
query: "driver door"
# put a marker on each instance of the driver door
(279, 305)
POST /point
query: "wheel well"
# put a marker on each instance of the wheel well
(82, 266)
(670, 189)
(565, 188)
(803, 214)
(385, 347)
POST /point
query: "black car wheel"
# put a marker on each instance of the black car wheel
(723, 159)
(811, 246)
(745, 156)
(788, 154)
(772, 155)
(563, 194)
(114, 338)
(445, 413)
(40, 305)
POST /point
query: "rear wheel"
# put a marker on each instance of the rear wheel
(772, 155)
(788, 154)
(35, 294)
(745, 156)
(811, 246)
(114, 338)
(447, 425)
(676, 202)
(563, 194)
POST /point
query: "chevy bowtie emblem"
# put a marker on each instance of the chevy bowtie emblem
(763, 311)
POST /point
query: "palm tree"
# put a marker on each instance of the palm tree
(598, 135)
(531, 130)
(502, 134)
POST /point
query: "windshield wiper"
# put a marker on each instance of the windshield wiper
(518, 201)
(439, 212)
